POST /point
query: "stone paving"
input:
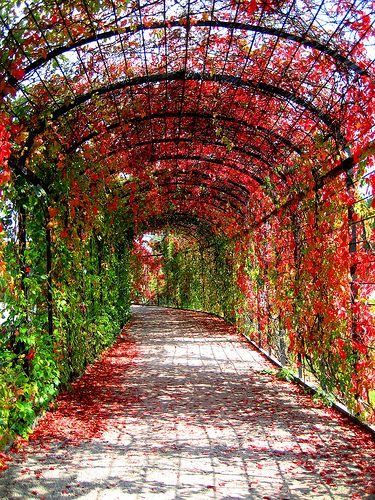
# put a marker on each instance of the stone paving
(206, 420)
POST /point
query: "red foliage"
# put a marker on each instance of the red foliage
(250, 7)
(3, 461)
(30, 355)
(4, 148)
(239, 127)
(94, 403)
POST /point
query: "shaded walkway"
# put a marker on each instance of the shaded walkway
(181, 407)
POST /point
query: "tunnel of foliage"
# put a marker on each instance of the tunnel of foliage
(238, 133)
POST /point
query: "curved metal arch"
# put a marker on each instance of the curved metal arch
(207, 201)
(224, 192)
(207, 116)
(219, 208)
(214, 161)
(217, 162)
(205, 143)
(252, 154)
(183, 75)
(219, 189)
(239, 26)
(197, 175)
(201, 158)
(184, 220)
(204, 175)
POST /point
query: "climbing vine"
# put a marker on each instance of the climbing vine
(64, 300)
(191, 273)
(307, 279)
(241, 133)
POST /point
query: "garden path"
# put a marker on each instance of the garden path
(182, 407)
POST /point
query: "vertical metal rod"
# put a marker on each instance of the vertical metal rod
(22, 245)
(352, 250)
(49, 283)
(353, 268)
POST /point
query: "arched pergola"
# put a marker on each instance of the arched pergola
(246, 120)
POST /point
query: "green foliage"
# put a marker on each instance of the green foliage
(324, 397)
(199, 274)
(268, 371)
(285, 373)
(89, 300)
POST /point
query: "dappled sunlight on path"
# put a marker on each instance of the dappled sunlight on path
(183, 407)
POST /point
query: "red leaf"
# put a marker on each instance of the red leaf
(30, 354)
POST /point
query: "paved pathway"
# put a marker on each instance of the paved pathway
(188, 412)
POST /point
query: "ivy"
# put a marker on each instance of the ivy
(90, 302)
(239, 134)
(187, 273)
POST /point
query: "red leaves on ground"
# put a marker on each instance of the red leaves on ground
(3, 461)
(95, 401)
(300, 270)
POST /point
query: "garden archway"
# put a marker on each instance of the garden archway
(250, 122)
